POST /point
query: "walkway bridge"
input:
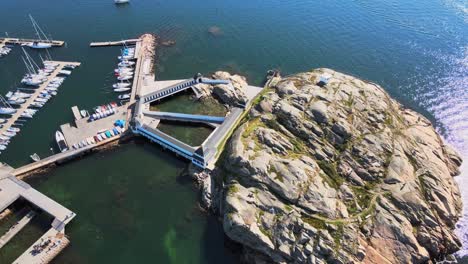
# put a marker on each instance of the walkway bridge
(177, 146)
(160, 94)
(185, 117)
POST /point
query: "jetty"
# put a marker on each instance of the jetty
(22, 41)
(37, 92)
(115, 43)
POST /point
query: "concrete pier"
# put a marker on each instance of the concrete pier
(115, 43)
(57, 242)
(13, 118)
(12, 189)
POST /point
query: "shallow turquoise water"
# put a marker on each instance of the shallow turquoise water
(417, 50)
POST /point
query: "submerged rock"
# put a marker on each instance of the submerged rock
(337, 174)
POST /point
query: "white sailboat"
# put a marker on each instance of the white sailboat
(44, 42)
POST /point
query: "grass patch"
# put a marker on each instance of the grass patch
(232, 189)
(363, 196)
(317, 223)
(330, 170)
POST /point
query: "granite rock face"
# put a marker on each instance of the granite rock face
(338, 174)
(232, 94)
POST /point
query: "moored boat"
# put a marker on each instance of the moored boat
(60, 139)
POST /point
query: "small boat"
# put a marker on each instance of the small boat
(121, 1)
(108, 134)
(60, 139)
(3, 147)
(116, 132)
(126, 57)
(7, 110)
(13, 129)
(65, 72)
(38, 45)
(9, 134)
(4, 138)
(84, 113)
(121, 85)
(103, 135)
(35, 157)
(119, 90)
(96, 139)
(2, 120)
(124, 77)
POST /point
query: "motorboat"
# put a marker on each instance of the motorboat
(126, 63)
(84, 113)
(27, 115)
(16, 101)
(121, 85)
(65, 72)
(4, 138)
(119, 90)
(14, 129)
(60, 139)
(2, 121)
(41, 100)
(123, 69)
(9, 134)
(124, 77)
(126, 57)
(35, 157)
(7, 110)
(3, 147)
(121, 1)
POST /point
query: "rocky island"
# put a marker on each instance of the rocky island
(335, 173)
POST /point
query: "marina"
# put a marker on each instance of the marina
(109, 122)
(37, 99)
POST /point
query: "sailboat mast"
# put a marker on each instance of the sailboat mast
(27, 66)
(38, 29)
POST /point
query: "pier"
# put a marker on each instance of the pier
(115, 43)
(12, 189)
(13, 118)
(20, 41)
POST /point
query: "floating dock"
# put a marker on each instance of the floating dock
(20, 41)
(115, 43)
(13, 118)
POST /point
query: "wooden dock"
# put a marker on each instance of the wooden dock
(12, 119)
(20, 41)
(115, 43)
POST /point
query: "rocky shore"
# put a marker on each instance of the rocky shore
(339, 173)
